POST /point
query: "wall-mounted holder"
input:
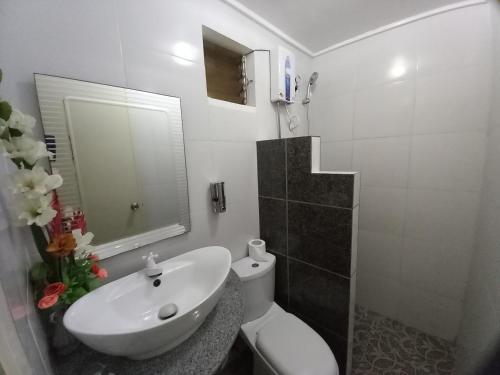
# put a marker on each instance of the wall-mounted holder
(218, 197)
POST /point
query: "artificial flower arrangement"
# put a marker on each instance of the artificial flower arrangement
(69, 269)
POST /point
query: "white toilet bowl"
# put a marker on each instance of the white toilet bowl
(281, 343)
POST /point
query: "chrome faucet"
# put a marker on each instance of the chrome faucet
(152, 269)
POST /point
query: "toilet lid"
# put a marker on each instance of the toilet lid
(293, 348)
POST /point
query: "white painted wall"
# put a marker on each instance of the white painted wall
(480, 328)
(154, 47)
(409, 109)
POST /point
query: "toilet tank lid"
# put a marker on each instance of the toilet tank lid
(248, 269)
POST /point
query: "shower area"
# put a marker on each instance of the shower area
(411, 108)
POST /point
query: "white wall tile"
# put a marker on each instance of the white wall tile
(480, 326)
(382, 210)
(453, 101)
(447, 161)
(384, 111)
(332, 117)
(423, 131)
(378, 294)
(235, 163)
(158, 28)
(433, 314)
(336, 156)
(439, 268)
(232, 122)
(383, 162)
(200, 172)
(391, 57)
(380, 254)
(443, 43)
(442, 217)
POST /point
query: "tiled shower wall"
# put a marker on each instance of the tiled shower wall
(408, 108)
(309, 221)
(480, 329)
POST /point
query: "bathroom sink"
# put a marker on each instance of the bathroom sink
(131, 316)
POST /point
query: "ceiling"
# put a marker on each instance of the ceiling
(318, 24)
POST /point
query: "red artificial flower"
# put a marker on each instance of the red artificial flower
(48, 301)
(95, 268)
(93, 257)
(102, 274)
(54, 288)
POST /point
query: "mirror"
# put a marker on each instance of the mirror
(121, 155)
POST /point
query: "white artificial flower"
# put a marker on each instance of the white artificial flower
(26, 148)
(37, 210)
(6, 146)
(21, 122)
(83, 246)
(34, 182)
(3, 126)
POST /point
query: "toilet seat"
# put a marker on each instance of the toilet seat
(291, 347)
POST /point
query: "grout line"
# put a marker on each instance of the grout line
(286, 227)
(321, 205)
(319, 268)
(267, 197)
(409, 135)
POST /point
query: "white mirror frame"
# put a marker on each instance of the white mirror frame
(54, 91)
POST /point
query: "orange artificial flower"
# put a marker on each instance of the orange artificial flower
(48, 301)
(62, 245)
(54, 288)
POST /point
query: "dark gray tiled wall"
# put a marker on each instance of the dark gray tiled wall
(320, 235)
(306, 221)
(272, 167)
(329, 189)
(272, 219)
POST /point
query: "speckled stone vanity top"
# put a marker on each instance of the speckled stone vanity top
(202, 353)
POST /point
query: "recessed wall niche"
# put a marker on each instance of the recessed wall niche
(229, 69)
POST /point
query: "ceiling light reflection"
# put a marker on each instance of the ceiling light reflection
(398, 69)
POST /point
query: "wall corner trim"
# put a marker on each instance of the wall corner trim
(268, 25)
(280, 33)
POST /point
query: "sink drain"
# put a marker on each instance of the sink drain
(167, 311)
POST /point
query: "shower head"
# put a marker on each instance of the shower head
(312, 81)
(314, 78)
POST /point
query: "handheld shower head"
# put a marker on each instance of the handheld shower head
(312, 81)
(314, 78)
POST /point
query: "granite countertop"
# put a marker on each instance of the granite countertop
(200, 354)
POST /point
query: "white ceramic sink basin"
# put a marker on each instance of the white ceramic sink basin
(121, 318)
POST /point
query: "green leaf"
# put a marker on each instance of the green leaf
(39, 272)
(5, 110)
(93, 283)
(1, 75)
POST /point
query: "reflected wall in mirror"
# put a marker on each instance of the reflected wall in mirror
(121, 154)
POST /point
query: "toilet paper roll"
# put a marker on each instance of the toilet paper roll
(257, 250)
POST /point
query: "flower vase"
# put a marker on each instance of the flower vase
(41, 242)
(61, 340)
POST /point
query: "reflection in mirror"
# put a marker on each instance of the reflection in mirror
(121, 154)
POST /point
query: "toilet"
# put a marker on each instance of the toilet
(281, 343)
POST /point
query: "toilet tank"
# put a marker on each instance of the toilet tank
(258, 285)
